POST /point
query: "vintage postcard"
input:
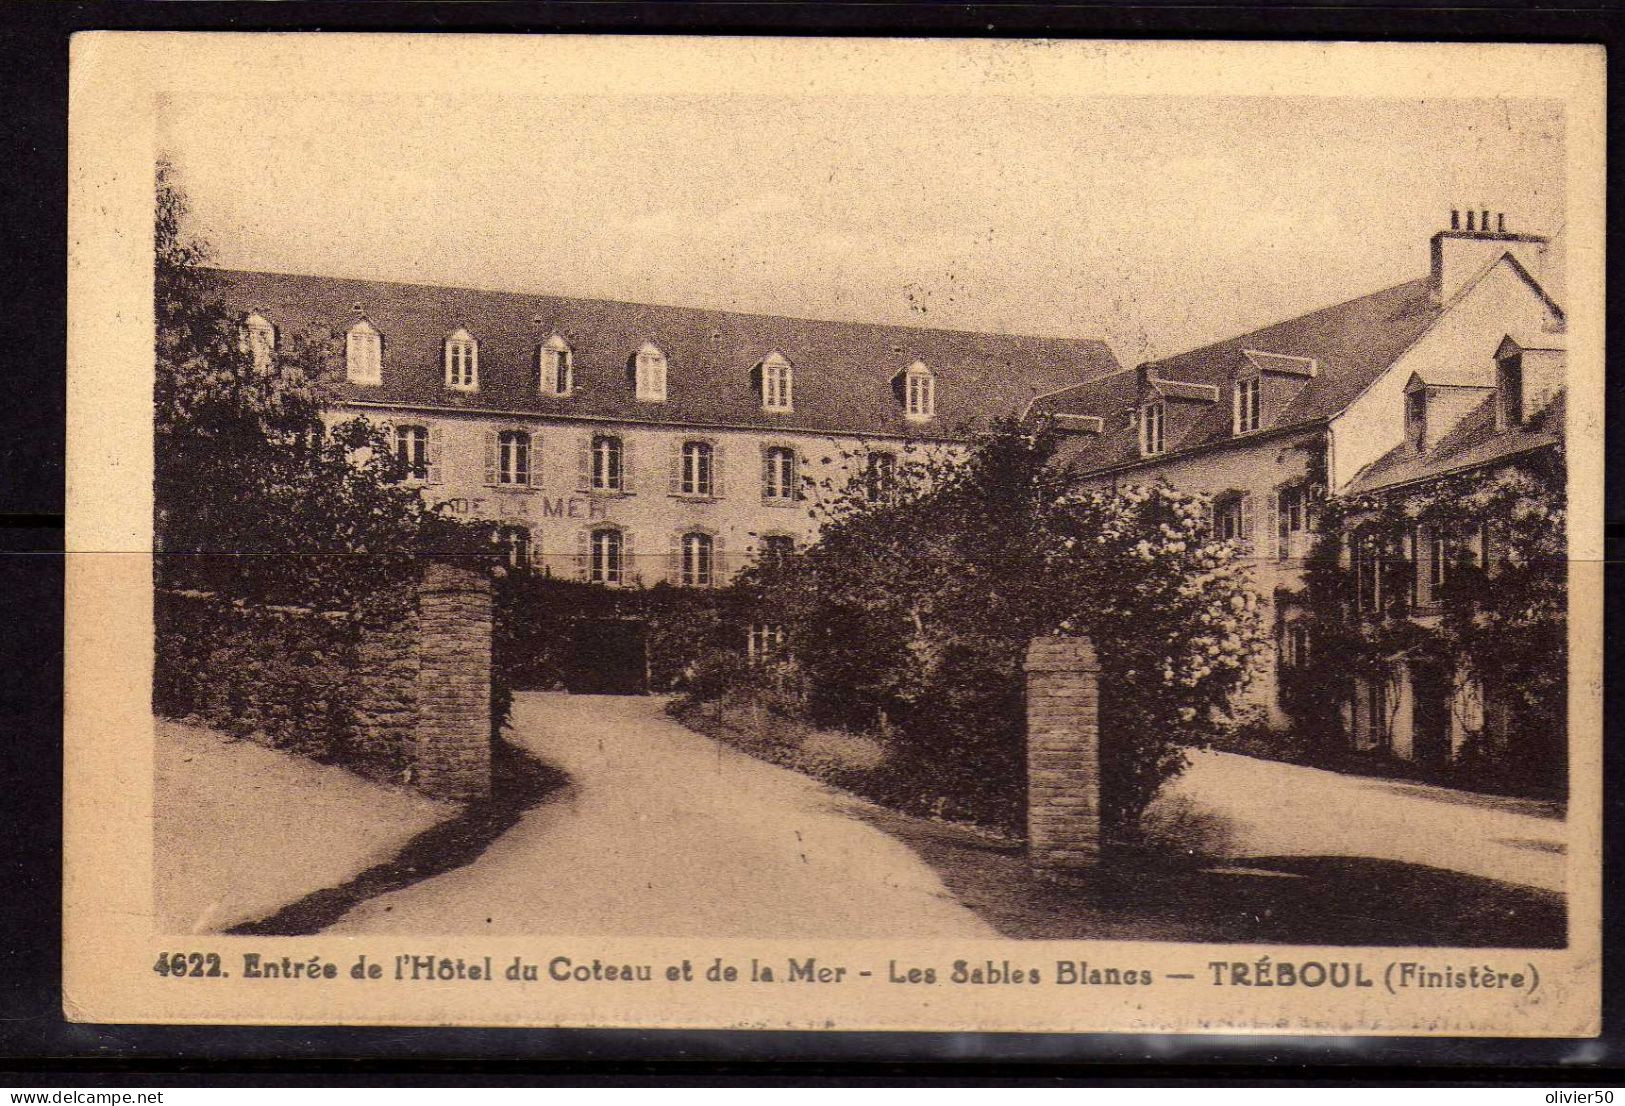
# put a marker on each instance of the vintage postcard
(835, 534)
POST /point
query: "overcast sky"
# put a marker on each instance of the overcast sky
(1156, 223)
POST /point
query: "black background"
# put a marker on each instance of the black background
(39, 1049)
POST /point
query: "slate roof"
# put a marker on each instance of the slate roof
(1471, 443)
(1350, 344)
(843, 370)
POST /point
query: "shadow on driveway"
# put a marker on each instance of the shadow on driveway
(1295, 900)
(518, 782)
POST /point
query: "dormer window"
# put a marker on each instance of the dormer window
(649, 374)
(259, 340)
(1416, 418)
(1151, 429)
(777, 383)
(364, 354)
(919, 391)
(556, 367)
(1246, 406)
(462, 362)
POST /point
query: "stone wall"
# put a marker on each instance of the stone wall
(1063, 755)
(400, 692)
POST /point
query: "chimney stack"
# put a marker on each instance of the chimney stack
(1465, 250)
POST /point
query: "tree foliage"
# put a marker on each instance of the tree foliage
(256, 495)
(1501, 625)
(912, 612)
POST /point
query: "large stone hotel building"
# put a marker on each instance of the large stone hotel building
(627, 444)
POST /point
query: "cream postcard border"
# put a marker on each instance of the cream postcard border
(119, 79)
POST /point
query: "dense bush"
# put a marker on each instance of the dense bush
(1501, 625)
(910, 616)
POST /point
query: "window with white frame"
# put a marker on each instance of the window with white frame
(649, 369)
(1231, 521)
(764, 643)
(696, 567)
(1433, 564)
(1291, 519)
(1367, 555)
(1151, 427)
(697, 469)
(259, 341)
(608, 472)
(1295, 644)
(515, 544)
(607, 552)
(919, 391)
(777, 383)
(462, 362)
(513, 458)
(780, 474)
(412, 449)
(1247, 405)
(1376, 712)
(880, 476)
(556, 367)
(364, 354)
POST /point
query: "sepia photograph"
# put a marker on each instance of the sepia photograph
(876, 514)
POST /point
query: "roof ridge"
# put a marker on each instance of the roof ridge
(1206, 347)
(1095, 339)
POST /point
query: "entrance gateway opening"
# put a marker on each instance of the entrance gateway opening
(607, 656)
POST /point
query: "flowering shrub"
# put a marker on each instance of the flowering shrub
(1176, 623)
(911, 614)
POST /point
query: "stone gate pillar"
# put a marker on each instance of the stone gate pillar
(1063, 755)
(452, 747)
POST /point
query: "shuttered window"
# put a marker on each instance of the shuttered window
(515, 544)
(696, 469)
(697, 568)
(607, 468)
(412, 449)
(607, 556)
(780, 474)
(880, 476)
(513, 457)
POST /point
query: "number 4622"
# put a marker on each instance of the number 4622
(195, 965)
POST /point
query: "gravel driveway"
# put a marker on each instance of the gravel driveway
(663, 832)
